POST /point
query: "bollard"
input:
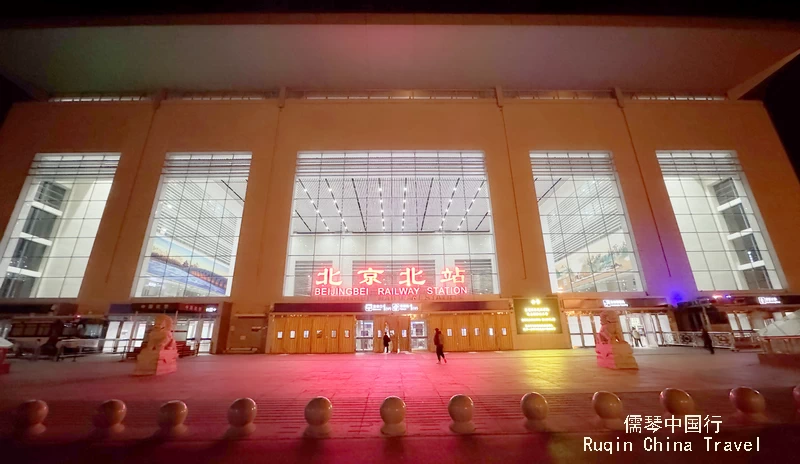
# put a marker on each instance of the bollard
(460, 408)
(676, 402)
(393, 413)
(241, 416)
(534, 408)
(170, 418)
(109, 417)
(750, 404)
(29, 418)
(608, 407)
(318, 412)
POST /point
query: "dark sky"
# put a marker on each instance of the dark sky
(776, 9)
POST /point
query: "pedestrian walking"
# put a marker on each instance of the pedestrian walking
(637, 337)
(439, 343)
(386, 341)
(707, 343)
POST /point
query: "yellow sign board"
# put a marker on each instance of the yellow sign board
(537, 315)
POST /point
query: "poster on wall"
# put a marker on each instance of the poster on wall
(537, 316)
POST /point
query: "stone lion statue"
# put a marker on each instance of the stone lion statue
(161, 337)
(159, 354)
(610, 331)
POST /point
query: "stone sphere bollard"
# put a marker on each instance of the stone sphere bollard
(318, 412)
(750, 404)
(241, 416)
(460, 408)
(393, 413)
(676, 402)
(109, 417)
(170, 418)
(534, 408)
(608, 407)
(29, 418)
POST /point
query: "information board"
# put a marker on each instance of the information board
(537, 316)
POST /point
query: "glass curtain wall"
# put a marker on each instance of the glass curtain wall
(382, 220)
(191, 248)
(727, 245)
(51, 234)
(587, 239)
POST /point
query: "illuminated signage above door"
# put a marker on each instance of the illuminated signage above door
(391, 307)
(537, 315)
(615, 304)
(769, 300)
(411, 282)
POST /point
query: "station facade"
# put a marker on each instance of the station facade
(292, 225)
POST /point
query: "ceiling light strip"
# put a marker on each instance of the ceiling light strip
(338, 208)
(363, 221)
(427, 200)
(405, 192)
(449, 203)
(380, 196)
(314, 204)
(474, 197)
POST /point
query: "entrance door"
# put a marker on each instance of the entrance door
(419, 335)
(126, 333)
(580, 329)
(635, 321)
(397, 327)
(110, 345)
(364, 332)
(206, 334)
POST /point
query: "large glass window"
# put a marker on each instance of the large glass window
(194, 229)
(50, 237)
(726, 243)
(586, 234)
(386, 222)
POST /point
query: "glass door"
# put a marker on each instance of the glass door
(125, 334)
(581, 332)
(110, 345)
(419, 335)
(140, 327)
(364, 332)
(205, 336)
(636, 322)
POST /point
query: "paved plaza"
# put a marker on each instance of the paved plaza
(357, 384)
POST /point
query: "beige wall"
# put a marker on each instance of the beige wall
(143, 134)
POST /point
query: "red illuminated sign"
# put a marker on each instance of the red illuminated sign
(412, 282)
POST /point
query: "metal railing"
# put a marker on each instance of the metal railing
(695, 339)
(75, 348)
(782, 344)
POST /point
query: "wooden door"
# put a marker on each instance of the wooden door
(434, 321)
(475, 332)
(304, 334)
(347, 334)
(404, 323)
(378, 324)
(319, 336)
(490, 334)
(332, 334)
(292, 334)
(450, 332)
(462, 334)
(504, 341)
(278, 335)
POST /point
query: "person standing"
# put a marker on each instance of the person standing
(439, 343)
(386, 341)
(637, 337)
(707, 343)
